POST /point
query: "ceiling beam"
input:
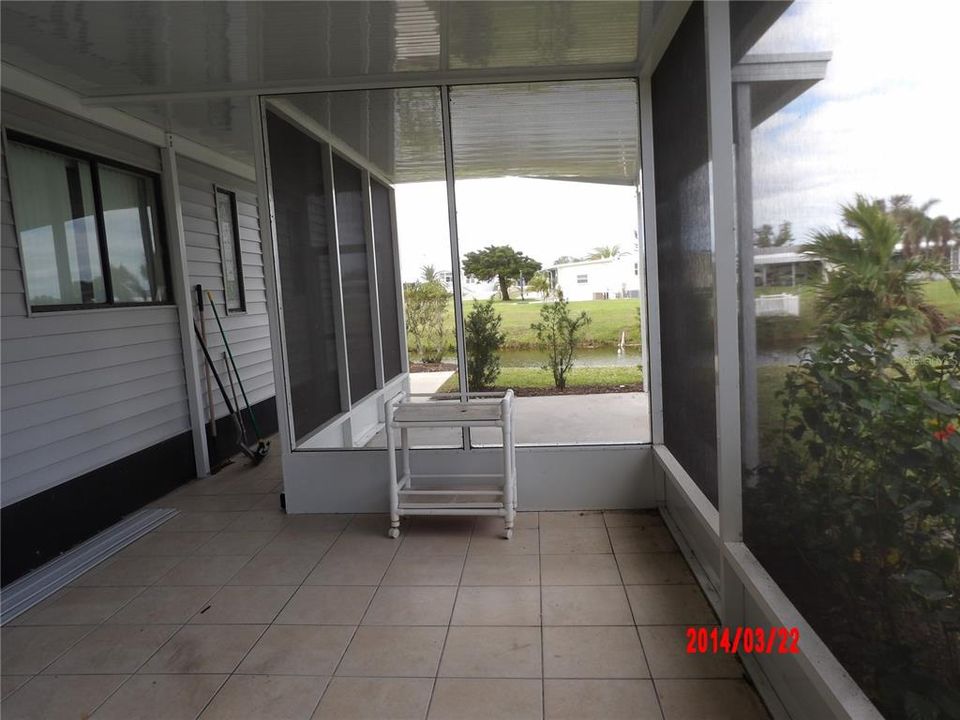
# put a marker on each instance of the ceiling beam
(152, 94)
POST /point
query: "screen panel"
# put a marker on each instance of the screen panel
(390, 340)
(685, 253)
(354, 278)
(301, 206)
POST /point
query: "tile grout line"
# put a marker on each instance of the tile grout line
(456, 597)
(356, 629)
(636, 628)
(543, 640)
(274, 621)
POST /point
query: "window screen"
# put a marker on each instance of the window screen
(304, 255)
(685, 253)
(355, 283)
(386, 280)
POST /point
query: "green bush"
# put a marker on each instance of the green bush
(864, 489)
(483, 341)
(557, 333)
(425, 303)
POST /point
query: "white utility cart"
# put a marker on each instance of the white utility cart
(422, 494)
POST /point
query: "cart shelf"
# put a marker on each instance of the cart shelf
(419, 494)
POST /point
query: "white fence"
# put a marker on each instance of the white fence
(778, 305)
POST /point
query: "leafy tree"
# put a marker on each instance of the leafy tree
(540, 283)
(483, 341)
(763, 236)
(564, 259)
(866, 281)
(558, 333)
(784, 235)
(501, 262)
(605, 251)
(426, 307)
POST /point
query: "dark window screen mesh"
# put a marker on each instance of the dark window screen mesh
(386, 280)
(303, 252)
(348, 183)
(680, 139)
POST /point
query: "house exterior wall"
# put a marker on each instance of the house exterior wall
(80, 388)
(614, 277)
(248, 332)
(94, 409)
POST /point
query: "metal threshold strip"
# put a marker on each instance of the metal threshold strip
(34, 587)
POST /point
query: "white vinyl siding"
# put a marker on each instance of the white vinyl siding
(249, 332)
(80, 389)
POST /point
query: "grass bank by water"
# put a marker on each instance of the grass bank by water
(580, 379)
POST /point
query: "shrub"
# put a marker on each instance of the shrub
(557, 334)
(865, 490)
(483, 341)
(426, 304)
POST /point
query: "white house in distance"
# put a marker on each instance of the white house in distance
(784, 266)
(600, 279)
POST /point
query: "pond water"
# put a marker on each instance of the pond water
(630, 357)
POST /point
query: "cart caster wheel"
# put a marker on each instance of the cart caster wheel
(394, 533)
(508, 534)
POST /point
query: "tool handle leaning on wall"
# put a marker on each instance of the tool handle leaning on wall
(262, 445)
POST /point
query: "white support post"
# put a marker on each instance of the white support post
(748, 310)
(372, 278)
(184, 299)
(339, 321)
(454, 248)
(271, 275)
(398, 280)
(653, 374)
(723, 230)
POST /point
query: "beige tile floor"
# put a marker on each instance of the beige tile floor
(235, 610)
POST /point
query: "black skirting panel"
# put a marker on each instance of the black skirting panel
(41, 527)
(224, 446)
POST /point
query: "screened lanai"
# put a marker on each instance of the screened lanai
(377, 146)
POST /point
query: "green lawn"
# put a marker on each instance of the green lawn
(941, 295)
(608, 319)
(792, 332)
(578, 377)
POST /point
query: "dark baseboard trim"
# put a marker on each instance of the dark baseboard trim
(224, 446)
(41, 527)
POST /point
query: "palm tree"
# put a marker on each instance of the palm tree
(540, 283)
(866, 279)
(913, 220)
(605, 251)
(428, 273)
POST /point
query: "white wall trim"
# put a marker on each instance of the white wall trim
(33, 87)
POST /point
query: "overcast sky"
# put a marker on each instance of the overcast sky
(544, 219)
(884, 121)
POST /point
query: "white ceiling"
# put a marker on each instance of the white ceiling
(111, 49)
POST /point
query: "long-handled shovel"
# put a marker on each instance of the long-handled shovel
(263, 446)
(255, 457)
